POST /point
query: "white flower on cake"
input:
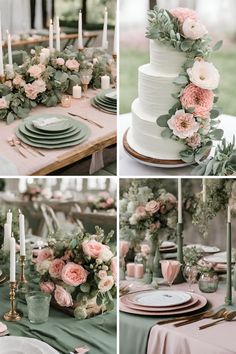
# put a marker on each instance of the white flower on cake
(193, 29)
(183, 124)
(204, 75)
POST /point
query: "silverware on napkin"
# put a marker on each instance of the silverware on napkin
(86, 119)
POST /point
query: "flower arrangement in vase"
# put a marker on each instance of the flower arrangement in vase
(80, 273)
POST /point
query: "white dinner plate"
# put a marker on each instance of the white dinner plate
(161, 298)
(220, 257)
(203, 248)
(24, 345)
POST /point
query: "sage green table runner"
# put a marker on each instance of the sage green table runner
(63, 332)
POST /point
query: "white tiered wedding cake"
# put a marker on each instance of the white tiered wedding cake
(169, 89)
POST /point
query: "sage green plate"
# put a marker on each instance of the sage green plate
(29, 134)
(82, 136)
(56, 127)
(30, 127)
(105, 110)
(111, 95)
(104, 104)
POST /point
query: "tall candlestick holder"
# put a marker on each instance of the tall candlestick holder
(228, 297)
(12, 315)
(180, 278)
(22, 285)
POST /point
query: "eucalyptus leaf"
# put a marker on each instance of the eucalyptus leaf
(217, 134)
(162, 120)
(181, 80)
(10, 118)
(166, 133)
(217, 46)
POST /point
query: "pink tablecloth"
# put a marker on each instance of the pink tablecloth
(82, 107)
(219, 339)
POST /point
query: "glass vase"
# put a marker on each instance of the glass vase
(208, 282)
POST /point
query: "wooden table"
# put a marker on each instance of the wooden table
(58, 158)
(89, 37)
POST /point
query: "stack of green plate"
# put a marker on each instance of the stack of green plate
(62, 134)
(106, 101)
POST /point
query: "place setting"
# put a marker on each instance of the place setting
(106, 101)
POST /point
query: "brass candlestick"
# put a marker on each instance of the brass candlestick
(12, 315)
(23, 283)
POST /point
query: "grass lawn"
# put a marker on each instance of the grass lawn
(130, 60)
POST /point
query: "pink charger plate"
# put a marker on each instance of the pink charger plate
(127, 301)
(200, 303)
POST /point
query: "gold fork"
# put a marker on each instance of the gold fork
(214, 316)
(228, 316)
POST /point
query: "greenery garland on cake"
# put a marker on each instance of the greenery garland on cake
(193, 118)
(36, 82)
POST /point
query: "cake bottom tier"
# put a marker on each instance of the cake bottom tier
(144, 136)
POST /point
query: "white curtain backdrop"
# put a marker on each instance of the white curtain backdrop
(16, 15)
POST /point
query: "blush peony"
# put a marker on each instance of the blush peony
(201, 99)
(140, 212)
(74, 274)
(193, 29)
(18, 81)
(194, 141)
(3, 103)
(60, 61)
(106, 284)
(62, 297)
(36, 71)
(47, 287)
(183, 124)
(43, 254)
(56, 267)
(72, 64)
(152, 207)
(182, 13)
(92, 248)
(204, 75)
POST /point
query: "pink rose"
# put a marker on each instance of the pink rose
(194, 141)
(193, 29)
(62, 297)
(72, 64)
(47, 287)
(182, 14)
(40, 85)
(102, 274)
(92, 248)
(60, 61)
(204, 75)
(31, 91)
(183, 124)
(106, 284)
(155, 226)
(140, 212)
(36, 70)
(199, 99)
(3, 103)
(74, 274)
(8, 83)
(110, 201)
(18, 81)
(44, 254)
(152, 207)
(56, 267)
(114, 267)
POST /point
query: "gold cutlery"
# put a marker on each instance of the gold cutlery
(228, 316)
(215, 316)
(186, 318)
(31, 148)
(16, 147)
(86, 119)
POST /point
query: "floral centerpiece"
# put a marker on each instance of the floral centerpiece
(193, 118)
(39, 81)
(103, 201)
(79, 273)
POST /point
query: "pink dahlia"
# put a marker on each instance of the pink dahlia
(182, 13)
(194, 141)
(183, 124)
(201, 99)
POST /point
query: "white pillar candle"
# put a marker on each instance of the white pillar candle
(7, 237)
(51, 36)
(229, 214)
(22, 234)
(9, 48)
(105, 82)
(80, 32)
(12, 259)
(42, 58)
(1, 53)
(9, 217)
(204, 190)
(58, 35)
(115, 39)
(77, 91)
(180, 219)
(104, 34)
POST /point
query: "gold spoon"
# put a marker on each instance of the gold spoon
(228, 316)
(215, 316)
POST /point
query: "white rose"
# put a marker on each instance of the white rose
(105, 254)
(43, 267)
(204, 75)
(133, 219)
(193, 29)
(106, 284)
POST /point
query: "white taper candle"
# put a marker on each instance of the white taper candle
(58, 34)
(7, 237)
(80, 32)
(229, 214)
(1, 52)
(22, 234)
(9, 48)
(12, 259)
(104, 34)
(51, 36)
